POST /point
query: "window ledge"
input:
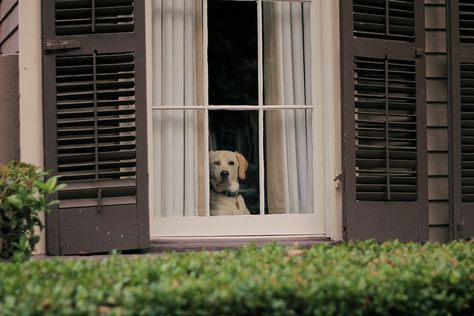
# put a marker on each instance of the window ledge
(221, 243)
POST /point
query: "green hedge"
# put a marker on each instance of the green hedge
(347, 279)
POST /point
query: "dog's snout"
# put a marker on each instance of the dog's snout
(224, 173)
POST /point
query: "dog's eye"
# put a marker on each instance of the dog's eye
(216, 163)
(231, 163)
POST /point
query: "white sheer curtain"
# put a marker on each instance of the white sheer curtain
(174, 132)
(287, 81)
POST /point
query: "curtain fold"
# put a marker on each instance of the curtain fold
(174, 131)
(288, 132)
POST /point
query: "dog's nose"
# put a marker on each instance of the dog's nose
(224, 173)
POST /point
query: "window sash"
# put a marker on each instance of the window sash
(260, 107)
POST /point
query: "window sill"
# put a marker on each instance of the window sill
(222, 243)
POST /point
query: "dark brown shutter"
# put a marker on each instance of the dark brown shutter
(95, 124)
(384, 119)
(461, 54)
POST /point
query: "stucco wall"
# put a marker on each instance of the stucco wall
(9, 109)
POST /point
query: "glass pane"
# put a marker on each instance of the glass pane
(178, 136)
(233, 162)
(288, 161)
(176, 41)
(286, 53)
(232, 52)
(179, 163)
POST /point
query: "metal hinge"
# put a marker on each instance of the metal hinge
(459, 228)
(338, 180)
(419, 52)
(55, 46)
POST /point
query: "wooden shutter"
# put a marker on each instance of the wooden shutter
(384, 120)
(461, 52)
(95, 124)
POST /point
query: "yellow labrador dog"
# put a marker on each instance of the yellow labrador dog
(225, 169)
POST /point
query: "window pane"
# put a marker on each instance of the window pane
(232, 52)
(233, 162)
(179, 163)
(178, 136)
(288, 161)
(176, 41)
(286, 53)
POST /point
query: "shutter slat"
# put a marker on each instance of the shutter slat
(74, 176)
(385, 135)
(100, 76)
(466, 21)
(84, 140)
(376, 19)
(103, 121)
(467, 124)
(74, 131)
(64, 149)
(88, 112)
(89, 103)
(80, 157)
(92, 193)
(95, 122)
(402, 197)
(112, 184)
(77, 17)
(76, 203)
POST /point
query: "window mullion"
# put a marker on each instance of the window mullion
(206, 109)
(260, 52)
(261, 157)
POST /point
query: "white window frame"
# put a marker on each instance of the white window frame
(326, 219)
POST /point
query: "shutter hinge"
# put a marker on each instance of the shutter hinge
(459, 228)
(419, 52)
(99, 201)
(338, 180)
(54, 46)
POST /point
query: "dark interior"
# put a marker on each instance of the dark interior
(232, 53)
(233, 80)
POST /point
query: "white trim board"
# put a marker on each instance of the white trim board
(31, 90)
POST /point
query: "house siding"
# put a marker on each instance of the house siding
(437, 119)
(9, 109)
(9, 95)
(9, 35)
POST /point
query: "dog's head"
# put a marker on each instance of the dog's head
(225, 168)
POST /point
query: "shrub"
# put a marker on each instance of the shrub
(347, 279)
(23, 196)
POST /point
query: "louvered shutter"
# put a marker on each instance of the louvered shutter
(95, 124)
(384, 120)
(462, 116)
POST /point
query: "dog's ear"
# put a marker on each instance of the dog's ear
(243, 165)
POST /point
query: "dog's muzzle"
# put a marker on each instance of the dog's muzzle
(224, 175)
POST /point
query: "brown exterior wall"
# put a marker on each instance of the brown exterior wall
(9, 109)
(9, 26)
